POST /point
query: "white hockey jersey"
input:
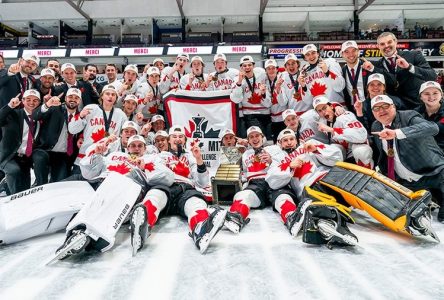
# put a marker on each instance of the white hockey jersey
(196, 84)
(315, 165)
(318, 84)
(93, 126)
(185, 169)
(276, 108)
(152, 107)
(225, 80)
(166, 83)
(291, 97)
(252, 101)
(252, 167)
(99, 166)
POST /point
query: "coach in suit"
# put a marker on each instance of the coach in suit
(404, 71)
(69, 73)
(19, 130)
(55, 148)
(20, 81)
(355, 73)
(408, 152)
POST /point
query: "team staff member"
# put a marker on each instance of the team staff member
(19, 131)
(404, 71)
(408, 152)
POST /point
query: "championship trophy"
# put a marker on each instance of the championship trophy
(227, 181)
(198, 132)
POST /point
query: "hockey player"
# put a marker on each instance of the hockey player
(320, 76)
(229, 139)
(344, 131)
(251, 92)
(159, 63)
(171, 76)
(290, 96)
(274, 84)
(97, 121)
(156, 123)
(294, 167)
(161, 140)
(129, 108)
(189, 171)
(196, 80)
(129, 83)
(223, 77)
(255, 164)
(149, 93)
(95, 226)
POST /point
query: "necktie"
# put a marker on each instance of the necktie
(353, 74)
(392, 62)
(25, 84)
(28, 151)
(70, 141)
(390, 158)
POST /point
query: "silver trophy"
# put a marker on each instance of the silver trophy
(233, 154)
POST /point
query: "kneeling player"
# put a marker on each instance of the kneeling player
(257, 193)
(184, 200)
(96, 225)
(302, 166)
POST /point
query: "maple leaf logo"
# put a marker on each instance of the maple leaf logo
(318, 89)
(188, 133)
(98, 135)
(257, 166)
(121, 168)
(320, 146)
(284, 166)
(181, 169)
(338, 131)
(255, 98)
(196, 142)
(149, 167)
(333, 75)
(303, 170)
(152, 110)
(297, 96)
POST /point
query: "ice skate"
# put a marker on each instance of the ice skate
(296, 219)
(335, 234)
(235, 222)
(205, 231)
(140, 231)
(74, 244)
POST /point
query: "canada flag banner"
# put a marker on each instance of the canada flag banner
(203, 115)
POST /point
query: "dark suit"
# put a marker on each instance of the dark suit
(438, 118)
(347, 97)
(44, 158)
(17, 167)
(10, 86)
(403, 83)
(418, 152)
(97, 85)
(89, 95)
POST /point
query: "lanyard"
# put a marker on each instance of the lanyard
(249, 84)
(107, 120)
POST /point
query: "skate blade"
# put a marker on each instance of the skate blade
(232, 226)
(218, 223)
(332, 231)
(63, 252)
(136, 238)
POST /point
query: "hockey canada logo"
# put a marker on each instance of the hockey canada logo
(198, 129)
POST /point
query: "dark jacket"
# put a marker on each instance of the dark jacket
(10, 86)
(418, 152)
(51, 126)
(11, 123)
(89, 95)
(403, 83)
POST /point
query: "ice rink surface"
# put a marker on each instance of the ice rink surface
(262, 262)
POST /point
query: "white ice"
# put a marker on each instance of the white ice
(262, 262)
